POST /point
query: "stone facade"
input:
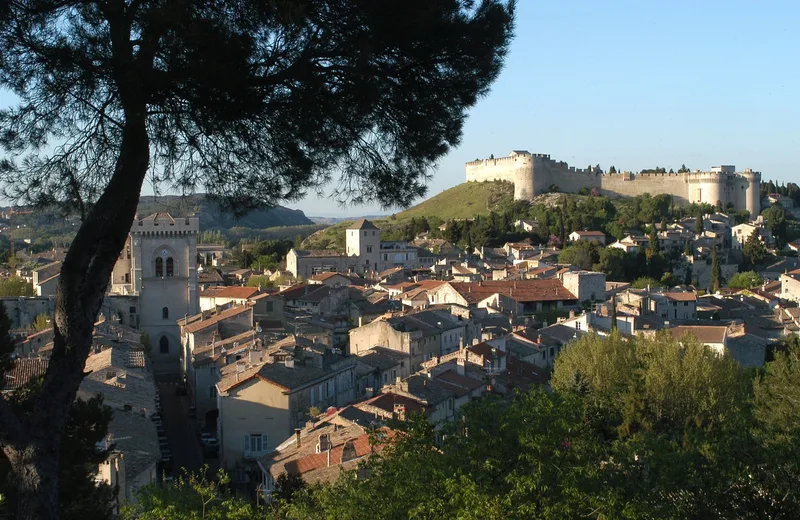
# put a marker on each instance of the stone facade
(158, 266)
(533, 174)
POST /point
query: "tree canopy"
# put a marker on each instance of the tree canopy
(635, 428)
(254, 102)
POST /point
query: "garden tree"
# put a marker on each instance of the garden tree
(583, 253)
(611, 261)
(191, 496)
(745, 280)
(777, 393)
(15, 286)
(256, 102)
(679, 409)
(754, 252)
(644, 282)
(715, 280)
(259, 280)
(775, 217)
(687, 277)
(41, 322)
(612, 169)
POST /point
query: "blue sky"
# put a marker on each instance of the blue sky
(639, 84)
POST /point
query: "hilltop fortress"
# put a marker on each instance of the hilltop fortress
(533, 174)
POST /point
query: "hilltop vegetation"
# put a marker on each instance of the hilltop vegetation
(464, 201)
(212, 217)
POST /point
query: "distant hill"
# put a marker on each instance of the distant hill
(212, 218)
(463, 201)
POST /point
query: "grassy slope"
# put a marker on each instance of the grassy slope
(462, 201)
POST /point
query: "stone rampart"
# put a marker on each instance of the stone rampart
(533, 174)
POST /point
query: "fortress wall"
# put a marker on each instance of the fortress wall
(569, 179)
(534, 174)
(499, 169)
(616, 185)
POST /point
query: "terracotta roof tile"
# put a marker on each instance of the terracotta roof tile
(23, 371)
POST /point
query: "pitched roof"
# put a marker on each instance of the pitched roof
(680, 296)
(321, 277)
(520, 290)
(235, 291)
(703, 333)
(216, 318)
(362, 224)
(23, 371)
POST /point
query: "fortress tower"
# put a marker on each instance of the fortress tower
(533, 174)
(752, 192)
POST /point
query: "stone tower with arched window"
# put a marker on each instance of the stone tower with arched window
(157, 271)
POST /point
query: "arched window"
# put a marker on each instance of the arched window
(163, 345)
(165, 313)
(170, 267)
(159, 266)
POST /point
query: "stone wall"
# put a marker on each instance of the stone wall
(533, 174)
(632, 185)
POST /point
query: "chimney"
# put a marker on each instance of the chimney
(297, 436)
(329, 455)
(461, 365)
(400, 412)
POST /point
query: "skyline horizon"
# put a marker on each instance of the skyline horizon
(634, 86)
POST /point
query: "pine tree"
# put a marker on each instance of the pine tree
(614, 313)
(754, 251)
(698, 225)
(715, 281)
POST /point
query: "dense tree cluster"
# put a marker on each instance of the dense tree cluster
(636, 428)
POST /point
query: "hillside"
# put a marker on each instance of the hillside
(211, 218)
(463, 201)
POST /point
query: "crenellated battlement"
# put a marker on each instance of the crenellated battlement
(538, 173)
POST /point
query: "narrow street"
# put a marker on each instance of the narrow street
(180, 430)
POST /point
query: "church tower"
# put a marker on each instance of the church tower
(161, 258)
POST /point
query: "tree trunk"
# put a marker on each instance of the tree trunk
(35, 448)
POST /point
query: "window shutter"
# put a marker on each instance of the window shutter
(264, 439)
(246, 441)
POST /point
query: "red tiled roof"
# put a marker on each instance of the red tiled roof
(486, 351)
(520, 290)
(590, 233)
(681, 296)
(23, 371)
(320, 460)
(386, 402)
(220, 316)
(321, 277)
